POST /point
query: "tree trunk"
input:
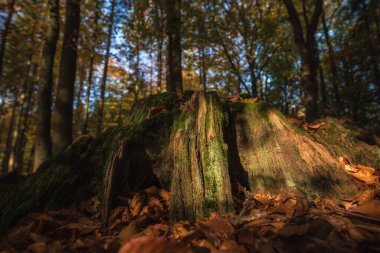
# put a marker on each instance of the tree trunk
(63, 111)
(43, 145)
(174, 51)
(91, 69)
(20, 144)
(105, 69)
(307, 48)
(159, 64)
(197, 150)
(323, 89)
(333, 68)
(9, 140)
(4, 35)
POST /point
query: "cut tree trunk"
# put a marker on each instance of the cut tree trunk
(197, 148)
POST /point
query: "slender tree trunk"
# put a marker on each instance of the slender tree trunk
(4, 35)
(9, 140)
(333, 68)
(252, 74)
(88, 95)
(159, 63)
(21, 142)
(374, 55)
(323, 88)
(79, 111)
(43, 145)
(91, 69)
(174, 52)
(2, 116)
(309, 55)
(105, 70)
(63, 111)
(202, 67)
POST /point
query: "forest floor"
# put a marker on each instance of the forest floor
(139, 223)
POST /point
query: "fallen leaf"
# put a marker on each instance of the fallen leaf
(147, 244)
(203, 243)
(294, 229)
(370, 208)
(320, 228)
(244, 236)
(219, 226)
(230, 246)
(137, 203)
(128, 231)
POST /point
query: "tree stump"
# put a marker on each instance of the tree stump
(196, 147)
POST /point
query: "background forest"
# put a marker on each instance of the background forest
(115, 52)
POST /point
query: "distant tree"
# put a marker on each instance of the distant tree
(304, 38)
(63, 111)
(105, 69)
(94, 41)
(174, 51)
(43, 146)
(5, 32)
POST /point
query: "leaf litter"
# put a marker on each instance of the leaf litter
(139, 223)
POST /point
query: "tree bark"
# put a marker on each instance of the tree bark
(105, 69)
(63, 111)
(308, 53)
(174, 51)
(43, 143)
(4, 35)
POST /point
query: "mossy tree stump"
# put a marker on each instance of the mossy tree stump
(196, 148)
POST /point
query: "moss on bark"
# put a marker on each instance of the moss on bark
(195, 148)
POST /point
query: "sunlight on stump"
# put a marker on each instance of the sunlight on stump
(279, 157)
(200, 184)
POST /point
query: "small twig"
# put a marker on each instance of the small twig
(356, 215)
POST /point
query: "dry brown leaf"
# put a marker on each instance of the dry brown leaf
(370, 208)
(19, 234)
(360, 172)
(252, 100)
(309, 127)
(294, 229)
(147, 244)
(219, 226)
(156, 230)
(295, 121)
(151, 191)
(90, 206)
(137, 203)
(39, 247)
(154, 111)
(165, 195)
(244, 236)
(203, 243)
(234, 98)
(128, 231)
(359, 199)
(181, 230)
(315, 126)
(320, 228)
(365, 178)
(37, 238)
(230, 246)
(118, 213)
